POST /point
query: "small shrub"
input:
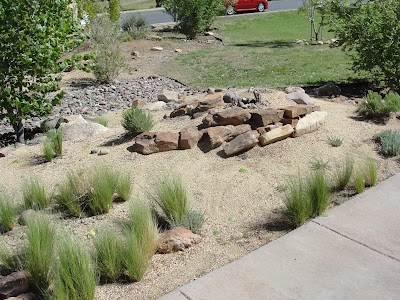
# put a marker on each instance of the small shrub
(297, 204)
(114, 7)
(378, 108)
(108, 254)
(358, 182)
(38, 254)
(335, 141)
(343, 174)
(102, 120)
(371, 173)
(74, 275)
(8, 213)
(171, 198)
(193, 221)
(136, 26)
(54, 138)
(34, 195)
(389, 142)
(108, 63)
(137, 121)
(125, 37)
(319, 193)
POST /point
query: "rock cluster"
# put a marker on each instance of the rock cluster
(234, 128)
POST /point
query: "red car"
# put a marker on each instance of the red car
(243, 5)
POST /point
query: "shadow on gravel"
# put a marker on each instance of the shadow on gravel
(81, 83)
(126, 138)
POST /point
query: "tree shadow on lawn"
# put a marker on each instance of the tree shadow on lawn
(267, 44)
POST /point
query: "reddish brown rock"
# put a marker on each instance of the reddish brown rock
(295, 111)
(177, 239)
(189, 137)
(242, 143)
(216, 136)
(153, 142)
(180, 111)
(276, 134)
(13, 285)
(264, 117)
(233, 116)
(262, 130)
(209, 102)
(167, 141)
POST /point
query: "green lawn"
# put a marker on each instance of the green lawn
(259, 51)
(136, 5)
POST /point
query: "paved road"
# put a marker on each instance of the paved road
(158, 15)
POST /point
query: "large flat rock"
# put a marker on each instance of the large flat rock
(371, 218)
(312, 262)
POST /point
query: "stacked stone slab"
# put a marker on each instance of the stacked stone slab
(235, 129)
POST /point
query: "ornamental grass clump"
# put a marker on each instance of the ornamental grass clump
(109, 255)
(378, 108)
(297, 203)
(137, 121)
(74, 276)
(71, 194)
(371, 173)
(359, 182)
(8, 213)
(34, 195)
(38, 254)
(141, 240)
(343, 173)
(318, 193)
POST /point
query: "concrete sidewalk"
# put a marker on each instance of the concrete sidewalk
(353, 253)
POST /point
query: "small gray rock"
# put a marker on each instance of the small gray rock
(103, 152)
(232, 97)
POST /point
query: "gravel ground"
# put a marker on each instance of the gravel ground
(242, 209)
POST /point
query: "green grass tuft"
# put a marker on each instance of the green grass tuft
(8, 213)
(319, 193)
(68, 196)
(34, 195)
(141, 241)
(54, 138)
(378, 108)
(343, 174)
(109, 255)
(75, 277)
(358, 182)
(48, 151)
(124, 187)
(193, 221)
(297, 203)
(38, 253)
(371, 173)
(318, 164)
(171, 198)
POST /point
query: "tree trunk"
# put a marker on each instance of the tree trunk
(19, 131)
(158, 3)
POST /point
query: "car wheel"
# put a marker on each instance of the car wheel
(230, 10)
(261, 7)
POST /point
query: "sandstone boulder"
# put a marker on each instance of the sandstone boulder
(295, 111)
(177, 239)
(264, 117)
(310, 123)
(27, 296)
(293, 89)
(52, 123)
(276, 134)
(262, 130)
(209, 102)
(153, 142)
(139, 103)
(189, 137)
(233, 116)
(300, 98)
(242, 142)
(216, 136)
(80, 131)
(13, 285)
(168, 96)
(291, 122)
(155, 106)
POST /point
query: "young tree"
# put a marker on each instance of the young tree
(316, 11)
(114, 12)
(370, 32)
(33, 36)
